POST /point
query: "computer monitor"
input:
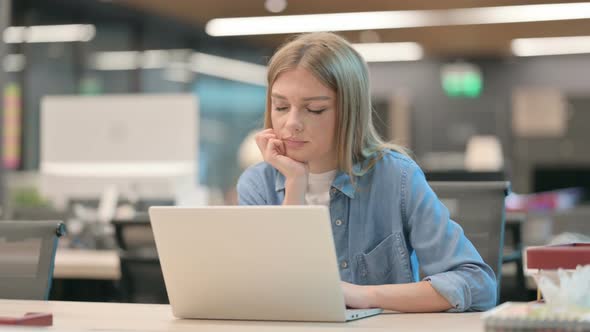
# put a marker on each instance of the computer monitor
(556, 177)
(144, 145)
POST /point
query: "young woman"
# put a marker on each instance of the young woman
(320, 147)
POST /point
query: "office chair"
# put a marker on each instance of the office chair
(142, 280)
(479, 208)
(27, 255)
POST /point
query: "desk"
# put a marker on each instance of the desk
(155, 317)
(86, 275)
(87, 264)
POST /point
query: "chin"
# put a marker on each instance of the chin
(298, 156)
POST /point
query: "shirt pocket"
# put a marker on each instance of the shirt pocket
(375, 266)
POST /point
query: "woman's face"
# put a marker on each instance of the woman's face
(303, 115)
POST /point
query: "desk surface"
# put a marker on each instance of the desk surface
(87, 264)
(68, 316)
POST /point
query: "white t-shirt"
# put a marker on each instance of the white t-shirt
(318, 188)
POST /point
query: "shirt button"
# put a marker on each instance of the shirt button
(344, 264)
(338, 222)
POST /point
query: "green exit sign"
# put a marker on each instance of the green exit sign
(461, 80)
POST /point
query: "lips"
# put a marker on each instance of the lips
(293, 143)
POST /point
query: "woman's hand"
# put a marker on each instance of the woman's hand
(295, 172)
(411, 297)
(274, 152)
(357, 297)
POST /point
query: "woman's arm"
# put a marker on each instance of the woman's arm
(295, 191)
(414, 297)
(448, 260)
(455, 276)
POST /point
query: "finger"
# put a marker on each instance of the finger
(268, 130)
(278, 147)
(263, 137)
(265, 132)
(262, 140)
(275, 144)
(282, 148)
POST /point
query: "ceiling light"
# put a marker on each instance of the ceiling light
(230, 69)
(550, 46)
(178, 72)
(122, 60)
(14, 63)
(384, 52)
(177, 61)
(308, 23)
(153, 59)
(275, 6)
(50, 33)
(395, 19)
(13, 35)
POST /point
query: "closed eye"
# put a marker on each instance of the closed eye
(281, 109)
(317, 111)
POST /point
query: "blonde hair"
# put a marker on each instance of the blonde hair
(335, 63)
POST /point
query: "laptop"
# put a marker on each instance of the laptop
(251, 263)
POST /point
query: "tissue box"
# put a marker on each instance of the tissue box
(566, 256)
(548, 265)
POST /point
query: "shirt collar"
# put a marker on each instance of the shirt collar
(342, 182)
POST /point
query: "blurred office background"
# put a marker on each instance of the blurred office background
(486, 90)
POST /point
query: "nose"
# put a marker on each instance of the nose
(294, 121)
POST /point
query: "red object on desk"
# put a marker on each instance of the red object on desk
(29, 319)
(566, 256)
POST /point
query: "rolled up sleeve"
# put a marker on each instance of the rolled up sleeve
(448, 259)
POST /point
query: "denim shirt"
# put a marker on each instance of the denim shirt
(386, 223)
